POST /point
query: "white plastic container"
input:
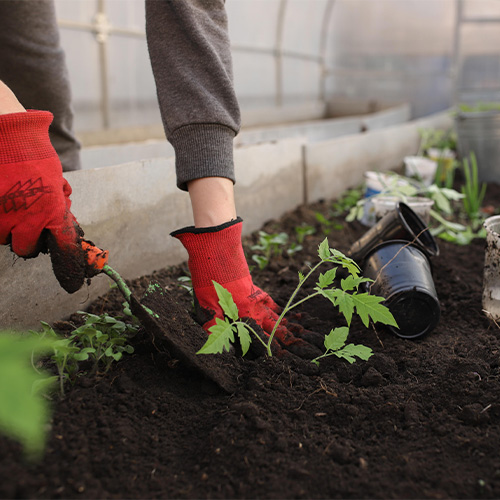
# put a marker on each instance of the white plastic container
(420, 205)
(491, 274)
(421, 168)
(376, 183)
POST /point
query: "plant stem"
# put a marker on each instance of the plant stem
(289, 306)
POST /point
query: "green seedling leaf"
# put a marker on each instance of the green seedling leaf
(325, 280)
(83, 355)
(336, 339)
(339, 299)
(352, 282)
(324, 250)
(244, 336)
(226, 302)
(261, 261)
(356, 350)
(350, 351)
(24, 412)
(369, 306)
(220, 338)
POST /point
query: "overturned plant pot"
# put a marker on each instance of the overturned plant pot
(402, 223)
(401, 273)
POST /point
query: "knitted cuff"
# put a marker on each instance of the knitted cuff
(203, 150)
(25, 137)
(215, 253)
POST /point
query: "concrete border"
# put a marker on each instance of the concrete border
(130, 209)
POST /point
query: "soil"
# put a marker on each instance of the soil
(419, 419)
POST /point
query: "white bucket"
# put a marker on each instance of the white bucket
(421, 168)
(491, 274)
(420, 205)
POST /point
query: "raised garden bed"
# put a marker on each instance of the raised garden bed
(419, 419)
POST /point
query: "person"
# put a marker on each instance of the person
(33, 66)
(190, 55)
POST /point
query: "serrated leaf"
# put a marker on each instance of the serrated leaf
(301, 277)
(244, 336)
(327, 278)
(220, 338)
(342, 354)
(336, 339)
(369, 306)
(361, 351)
(226, 302)
(324, 250)
(351, 282)
(345, 303)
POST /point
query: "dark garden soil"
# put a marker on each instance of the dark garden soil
(419, 419)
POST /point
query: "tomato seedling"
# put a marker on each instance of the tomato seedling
(348, 298)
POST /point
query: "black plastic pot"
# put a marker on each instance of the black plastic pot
(402, 275)
(399, 224)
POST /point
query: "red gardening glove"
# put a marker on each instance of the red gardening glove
(35, 207)
(216, 253)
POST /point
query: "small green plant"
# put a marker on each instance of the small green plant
(392, 185)
(438, 139)
(270, 245)
(24, 410)
(302, 231)
(347, 201)
(103, 339)
(99, 341)
(186, 283)
(473, 192)
(327, 225)
(347, 298)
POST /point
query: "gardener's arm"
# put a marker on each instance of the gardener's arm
(35, 207)
(8, 101)
(190, 54)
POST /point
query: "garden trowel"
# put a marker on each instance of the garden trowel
(170, 325)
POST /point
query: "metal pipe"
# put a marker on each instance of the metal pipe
(323, 48)
(102, 28)
(278, 53)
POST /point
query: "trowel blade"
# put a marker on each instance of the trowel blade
(172, 327)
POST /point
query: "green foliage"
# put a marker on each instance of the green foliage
(347, 201)
(472, 196)
(437, 138)
(302, 231)
(222, 334)
(100, 341)
(270, 245)
(327, 225)
(473, 191)
(347, 298)
(335, 345)
(395, 185)
(186, 283)
(480, 106)
(24, 411)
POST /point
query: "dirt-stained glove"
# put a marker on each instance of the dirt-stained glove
(216, 253)
(35, 207)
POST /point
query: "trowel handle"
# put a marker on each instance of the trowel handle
(96, 258)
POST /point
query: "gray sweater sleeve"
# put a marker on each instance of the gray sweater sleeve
(190, 55)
